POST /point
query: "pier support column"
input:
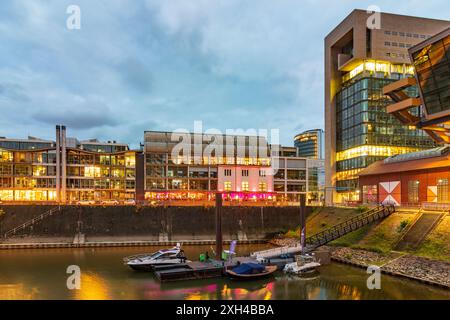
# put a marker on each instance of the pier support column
(218, 226)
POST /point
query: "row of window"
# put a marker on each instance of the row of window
(43, 183)
(244, 173)
(395, 55)
(370, 192)
(395, 44)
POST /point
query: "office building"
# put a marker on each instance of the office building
(310, 144)
(66, 170)
(419, 178)
(359, 62)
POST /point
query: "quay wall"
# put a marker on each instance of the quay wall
(150, 223)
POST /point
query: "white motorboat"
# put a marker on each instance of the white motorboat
(304, 264)
(165, 257)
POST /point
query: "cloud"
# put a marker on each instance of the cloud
(79, 113)
(160, 65)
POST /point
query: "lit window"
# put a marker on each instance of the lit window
(262, 187)
(227, 186)
(245, 186)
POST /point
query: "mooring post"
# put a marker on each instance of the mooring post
(218, 226)
(303, 221)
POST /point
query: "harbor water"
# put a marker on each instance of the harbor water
(42, 274)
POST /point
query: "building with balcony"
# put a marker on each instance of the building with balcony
(310, 144)
(195, 166)
(359, 63)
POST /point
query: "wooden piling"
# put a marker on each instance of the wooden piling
(218, 226)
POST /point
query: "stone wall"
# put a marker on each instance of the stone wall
(176, 223)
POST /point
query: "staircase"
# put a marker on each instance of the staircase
(350, 225)
(328, 235)
(419, 230)
(31, 222)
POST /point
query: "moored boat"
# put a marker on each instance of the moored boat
(166, 257)
(304, 265)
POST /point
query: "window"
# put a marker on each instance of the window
(262, 187)
(413, 191)
(387, 43)
(370, 194)
(227, 186)
(401, 34)
(245, 186)
(245, 173)
(227, 173)
(262, 173)
(387, 32)
(394, 33)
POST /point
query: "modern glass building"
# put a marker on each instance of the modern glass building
(310, 144)
(66, 171)
(431, 61)
(359, 63)
(432, 77)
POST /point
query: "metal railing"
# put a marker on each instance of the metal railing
(32, 221)
(341, 229)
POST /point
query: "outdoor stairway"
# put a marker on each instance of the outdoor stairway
(31, 221)
(350, 225)
(328, 235)
(419, 230)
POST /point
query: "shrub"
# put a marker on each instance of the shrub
(402, 225)
(362, 209)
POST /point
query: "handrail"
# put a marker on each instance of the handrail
(32, 221)
(349, 225)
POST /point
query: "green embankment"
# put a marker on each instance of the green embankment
(380, 236)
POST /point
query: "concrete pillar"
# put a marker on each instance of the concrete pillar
(218, 226)
(303, 221)
(63, 164)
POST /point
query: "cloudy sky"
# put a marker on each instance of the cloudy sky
(161, 65)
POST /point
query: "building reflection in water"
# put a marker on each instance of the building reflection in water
(17, 292)
(93, 287)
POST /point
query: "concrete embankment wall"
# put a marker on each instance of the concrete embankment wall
(149, 223)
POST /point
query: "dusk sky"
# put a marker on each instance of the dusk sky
(161, 65)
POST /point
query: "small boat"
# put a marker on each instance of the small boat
(251, 271)
(303, 265)
(166, 257)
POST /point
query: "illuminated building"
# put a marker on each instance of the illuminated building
(419, 178)
(310, 144)
(238, 166)
(359, 62)
(431, 59)
(243, 168)
(66, 170)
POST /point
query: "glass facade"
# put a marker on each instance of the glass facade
(29, 174)
(432, 65)
(365, 133)
(310, 144)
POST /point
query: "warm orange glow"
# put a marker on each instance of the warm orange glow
(93, 287)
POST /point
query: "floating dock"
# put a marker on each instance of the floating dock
(199, 270)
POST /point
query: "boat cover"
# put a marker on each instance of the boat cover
(249, 268)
